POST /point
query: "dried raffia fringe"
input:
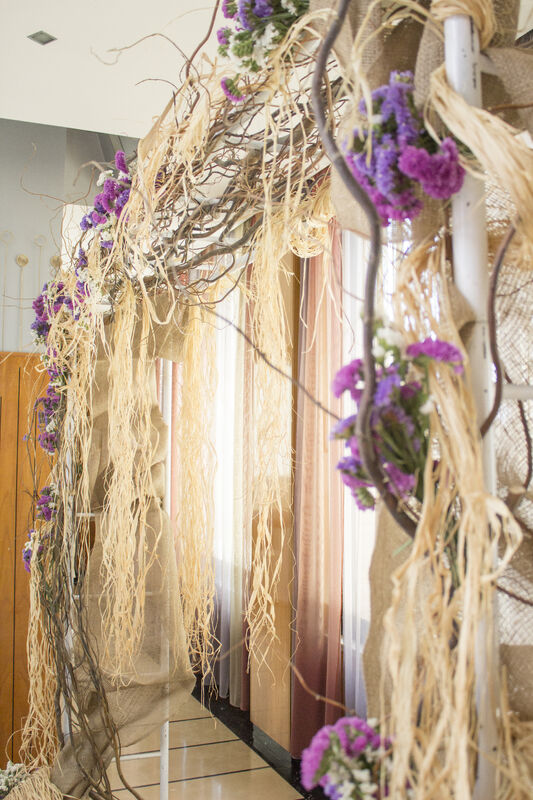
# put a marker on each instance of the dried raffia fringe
(279, 232)
(39, 744)
(72, 341)
(515, 779)
(193, 428)
(36, 786)
(481, 11)
(125, 561)
(494, 143)
(432, 711)
(170, 154)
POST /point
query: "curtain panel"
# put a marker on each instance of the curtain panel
(318, 501)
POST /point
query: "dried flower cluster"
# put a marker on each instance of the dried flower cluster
(402, 156)
(257, 27)
(347, 760)
(399, 419)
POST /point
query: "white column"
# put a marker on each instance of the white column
(470, 257)
(166, 403)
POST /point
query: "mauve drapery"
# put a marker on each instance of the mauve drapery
(318, 502)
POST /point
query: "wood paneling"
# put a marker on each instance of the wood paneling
(20, 385)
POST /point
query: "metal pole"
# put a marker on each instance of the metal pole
(470, 257)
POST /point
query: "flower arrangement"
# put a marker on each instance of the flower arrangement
(347, 760)
(399, 420)
(55, 301)
(109, 204)
(257, 27)
(10, 777)
(402, 156)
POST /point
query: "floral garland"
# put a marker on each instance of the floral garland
(347, 760)
(402, 157)
(55, 301)
(399, 421)
(109, 204)
(258, 27)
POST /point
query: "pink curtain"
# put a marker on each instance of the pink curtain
(318, 501)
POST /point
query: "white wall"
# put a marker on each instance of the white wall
(32, 161)
(40, 171)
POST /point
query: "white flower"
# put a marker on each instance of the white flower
(428, 406)
(391, 337)
(377, 350)
(106, 173)
(361, 775)
(346, 790)
(368, 788)
(290, 6)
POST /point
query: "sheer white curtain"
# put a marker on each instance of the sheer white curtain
(359, 526)
(228, 536)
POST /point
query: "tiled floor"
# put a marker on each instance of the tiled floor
(207, 762)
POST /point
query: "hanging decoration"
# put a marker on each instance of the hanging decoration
(232, 176)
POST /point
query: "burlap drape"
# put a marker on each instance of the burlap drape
(160, 676)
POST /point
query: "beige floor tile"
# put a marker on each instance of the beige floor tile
(259, 784)
(189, 709)
(190, 762)
(186, 732)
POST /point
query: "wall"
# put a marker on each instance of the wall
(41, 169)
(32, 159)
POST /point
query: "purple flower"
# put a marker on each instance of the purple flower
(229, 88)
(262, 8)
(107, 244)
(45, 504)
(120, 162)
(342, 427)
(82, 258)
(440, 174)
(402, 483)
(223, 36)
(243, 12)
(409, 390)
(97, 218)
(347, 378)
(86, 223)
(312, 757)
(27, 553)
(385, 387)
(229, 9)
(437, 350)
(121, 201)
(48, 441)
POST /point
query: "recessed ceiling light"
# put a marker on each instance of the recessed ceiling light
(41, 37)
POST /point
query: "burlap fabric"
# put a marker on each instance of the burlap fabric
(514, 429)
(419, 47)
(160, 676)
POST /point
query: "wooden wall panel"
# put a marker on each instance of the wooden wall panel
(20, 385)
(9, 398)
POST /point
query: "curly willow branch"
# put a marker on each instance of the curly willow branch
(364, 435)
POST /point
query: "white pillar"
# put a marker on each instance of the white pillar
(471, 274)
(166, 403)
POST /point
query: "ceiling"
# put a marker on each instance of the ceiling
(77, 81)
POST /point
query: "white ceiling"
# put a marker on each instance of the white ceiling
(65, 83)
